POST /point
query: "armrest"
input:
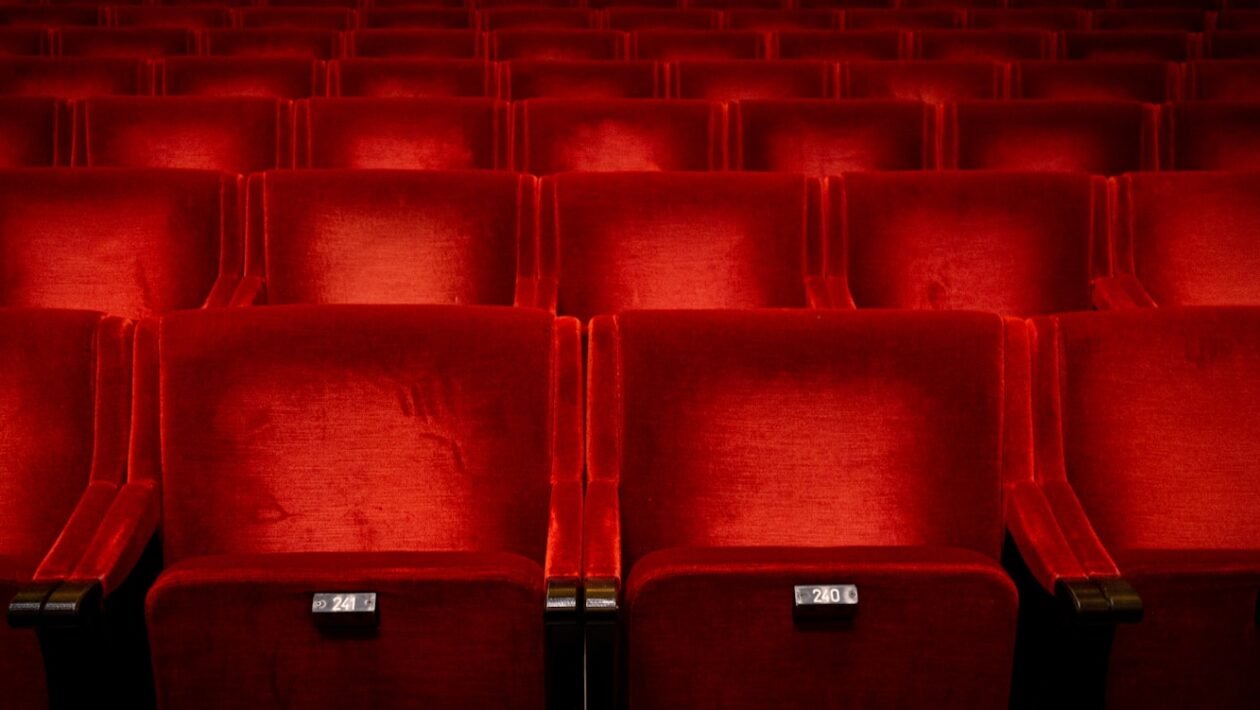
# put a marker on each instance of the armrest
(221, 293)
(563, 568)
(601, 574)
(125, 530)
(77, 534)
(1120, 292)
(248, 292)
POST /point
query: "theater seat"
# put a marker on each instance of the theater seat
(189, 17)
(411, 78)
(44, 16)
(72, 77)
(1173, 19)
(23, 41)
(238, 135)
(417, 18)
(502, 18)
(1237, 20)
(1050, 19)
(388, 236)
(303, 18)
(852, 45)
(1185, 239)
(1146, 435)
(1147, 46)
(932, 18)
(1151, 82)
(264, 77)
(933, 82)
(263, 42)
(1232, 45)
(64, 392)
(414, 44)
(1235, 80)
(446, 481)
(559, 135)
(414, 134)
(736, 455)
(830, 137)
(33, 132)
(630, 19)
(983, 45)
(776, 20)
(1020, 244)
(590, 79)
(127, 42)
(130, 242)
(678, 45)
(555, 45)
(1212, 135)
(618, 241)
(736, 80)
(1103, 137)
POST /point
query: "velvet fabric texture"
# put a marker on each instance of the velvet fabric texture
(903, 19)
(1133, 46)
(630, 19)
(413, 134)
(264, 77)
(1223, 80)
(933, 82)
(581, 79)
(501, 18)
(1164, 475)
(678, 45)
(411, 78)
(33, 132)
(72, 77)
(737, 80)
(419, 18)
(617, 241)
(819, 137)
(871, 45)
(71, 16)
(191, 17)
(1046, 19)
(552, 44)
(337, 236)
(1016, 243)
(1150, 82)
(414, 44)
(1212, 136)
(22, 41)
(229, 134)
(983, 45)
(1232, 45)
(125, 42)
(131, 242)
(775, 20)
(262, 42)
(561, 135)
(305, 18)
(806, 477)
(1174, 19)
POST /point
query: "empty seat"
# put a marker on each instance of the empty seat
(411, 78)
(305, 18)
(33, 132)
(983, 45)
(853, 45)
(1046, 19)
(418, 18)
(675, 45)
(23, 41)
(62, 16)
(72, 77)
(309, 44)
(708, 441)
(1102, 137)
(1170, 19)
(493, 4)
(1015, 243)
(630, 19)
(1238, 20)
(933, 82)
(560, 135)
(415, 134)
(913, 19)
(1058, 4)
(1129, 46)
(831, 137)
(64, 389)
(233, 134)
(130, 42)
(1243, 44)
(190, 17)
(556, 44)
(131, 242)
(1235, 80)
(593, 79)
(1211, 135)
(733, 80)
(618, 241)
(414, 44)
(634, 4)
(410, 4)
(843, 4)
(418, 412)
(775, 20)
(536, 18)
(1152, 82)
(268, 77)
(741, 4)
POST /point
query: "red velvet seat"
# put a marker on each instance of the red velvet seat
(1185, 239)
(1176, 20)
(734, 455)
(1045, 20)
(304, 18)
(741, 4)
(343, 4)
(23, 41)
(415, 4)
(1129, 46)
(188, 17)
(630, 19)
(1235, 80)
(232, 134)
(852, 45)
(417, 18)
(72, 77)
(1212, 135)
(414, 134)
(536, 18)
(735, 80)
(33, 132)
(617, 241)
(127, 42)
(556, 44)
(561, 135)
(262, 42)
(677, 45)
(266, 77)
(776, 20)
(1237, 20)
(1232, 45)
(429, 455)
(593, 79)
(64, 389)
(831, 137)
(1058, 4)
(1146, 434)
(414, 44)
(131, 242)
(913, 19)
(1152, 82)
(1103, 137)
(843, 4)
(933, 82)
(983, 45)
(411, 78)
(1016, 243)
(63, 16)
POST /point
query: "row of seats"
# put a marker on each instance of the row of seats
(995, 7)
(545, 136)
(433, 456)
(139, 242)
(656, 45)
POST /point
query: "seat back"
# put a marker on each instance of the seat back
(1211, 135)
(264, 77)
(33, 132)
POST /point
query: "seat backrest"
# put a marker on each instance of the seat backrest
(934, 82)
(1147, 46)
(125, 42)
(43, 16)
(24, 41)
(72, 77)
(1240, 44)
(934, 18)
(188, 17)
(1234, 80)
(1044, 19)
(555, 45)
(678, 45)
(1212, 135)
(1151, 82)
(853, 45)
(386, 78)
(581, 79)
(418, 18)
(264, 42)
(303, 18)
(414, 43)
(501, 18)
(775, 20)
(264, 77)
(983, 45)
(33, 132)
(738, 79)
(630, 19)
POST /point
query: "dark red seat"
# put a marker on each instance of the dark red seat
(1129, 46)
(266, 77)
(537, 18)
(912, 19)
(1212, 135)
(181, 17)
(24, 41)
(417, 18)
(302, 18)
(45, 16)
(852, 45)
(1173, 19)
(983, 45)
(591, 79)
(73, 77)
(126, 42)
(1234, 80)
(735, 80)
(677, 45)
(411, 78)
(33, 132)
(933, 82)
(630, 19)
(1243, 44)
(414, 44)
(262, 42)
(1044, 19)
(557, 44)
(1151, 82)
(776, 20)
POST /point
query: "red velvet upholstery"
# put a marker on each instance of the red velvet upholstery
(1150, 46)
(192, 18)
(33, 132)
(933, 82)
(630, 19)
(308, 44)
(1104, 137)
(1016, 243)
(1203, 135)
(618, 241)
(129, 42)
(1046, 20)
(534, 17)
(1233, 45)
(775, 20)
(66, 16)
(64, 387)
(23, 41)
(1189, 238)
(830, 137)
(715, 427)
(72, 77)
(306, 18)
(983, 45)
(131, 242)
(853, 45)
(420, 18)
(913, 19)
(735, 80)
(412, 78)
(557, 44)
(1223, 80)
(1057, 4)
(1149, 420)
(591, 79)
(1176, 20)
(675, 45)
(559, 135)
(843, 4)
(1150, 82)
(416, 134)
(414, 44)
(1238, 20)
(341, 236)
(267, 77)
(741, 4)
(238, 135)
